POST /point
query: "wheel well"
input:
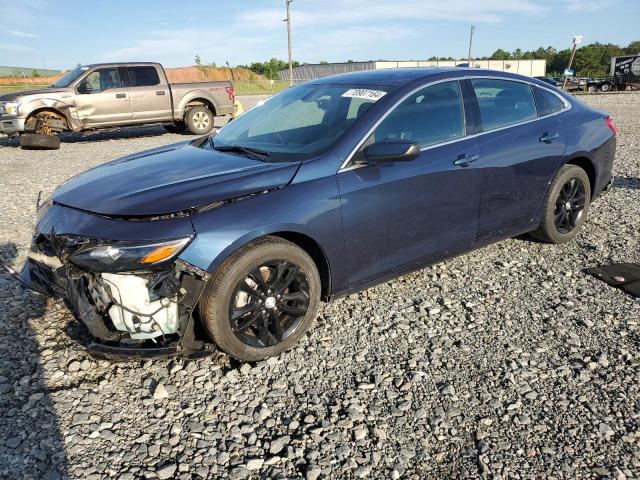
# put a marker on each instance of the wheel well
(200, 101)
(316, 253)
(50, 110)
(588, 167)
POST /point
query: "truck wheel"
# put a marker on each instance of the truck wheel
(605, 87)
(591, 88)
(177, 127)
(39, 141)
(199, 120)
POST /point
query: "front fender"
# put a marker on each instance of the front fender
(223, 249)
(311, 209)
(66, 109)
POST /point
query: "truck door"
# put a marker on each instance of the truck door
(102, 98)
(150, 97)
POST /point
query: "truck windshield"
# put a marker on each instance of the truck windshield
(69, 77)
(299, 123)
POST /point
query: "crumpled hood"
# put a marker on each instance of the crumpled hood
(11, 97)
(170, 179)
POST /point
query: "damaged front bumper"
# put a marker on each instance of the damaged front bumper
(11, 125)
(145, 313)
(118, 330)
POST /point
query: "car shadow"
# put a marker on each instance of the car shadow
(629, 183)
(31, 443)
(119, 133)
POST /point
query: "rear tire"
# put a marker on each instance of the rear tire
(39, 141)
(199, 120)
(591, 88)
(605, 87)
(282, 299)
(566, 206)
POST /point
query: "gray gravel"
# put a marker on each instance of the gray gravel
(508, 362)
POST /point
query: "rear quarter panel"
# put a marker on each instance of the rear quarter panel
(213, 92)
(589, 137)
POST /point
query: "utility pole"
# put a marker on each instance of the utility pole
(470, 43)
(288, 20)
(577, 39)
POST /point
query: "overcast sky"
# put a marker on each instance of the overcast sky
(59, 34)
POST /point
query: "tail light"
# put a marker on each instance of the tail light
(231, 93)
(611, 124)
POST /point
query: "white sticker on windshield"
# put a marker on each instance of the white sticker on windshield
(374, 95)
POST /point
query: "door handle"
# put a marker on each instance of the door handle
(121, 95)
(160, 92)
(549, 137)
(464, 159)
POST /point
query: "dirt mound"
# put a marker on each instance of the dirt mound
(203, 74)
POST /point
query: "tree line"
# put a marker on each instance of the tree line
(591, 60)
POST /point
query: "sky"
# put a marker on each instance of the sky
(60, 34)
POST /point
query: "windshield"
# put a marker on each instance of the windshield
(69, 77)
(300, 122)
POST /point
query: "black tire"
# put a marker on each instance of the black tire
(605, 87)
(199, 120)
(564, 212)
(39, 141)
(591, 88)
(220, 297)
(178, 127)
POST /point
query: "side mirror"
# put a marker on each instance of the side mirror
(83, 87)
(392, 151)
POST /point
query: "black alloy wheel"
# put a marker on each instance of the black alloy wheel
(566, 206)
(269, 303)
(569, 206)
(262, 300)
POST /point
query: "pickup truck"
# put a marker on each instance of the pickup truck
(112, 95)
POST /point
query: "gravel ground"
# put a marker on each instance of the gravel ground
(508, 362)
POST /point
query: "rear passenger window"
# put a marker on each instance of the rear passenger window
(143, 76)
(553, 101)
(503, 102)
(431, 115)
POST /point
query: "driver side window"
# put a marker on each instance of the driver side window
(100, 80)
(432, 115)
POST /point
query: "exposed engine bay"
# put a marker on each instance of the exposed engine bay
(142, 306)
(144, 312)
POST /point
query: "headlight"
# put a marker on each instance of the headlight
(121, 256)
(9, 108)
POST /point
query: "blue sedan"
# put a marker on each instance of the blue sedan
(324, 189)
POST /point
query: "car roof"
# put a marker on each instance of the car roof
(397, 77)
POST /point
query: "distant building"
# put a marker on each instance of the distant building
(19, 71)
(531, 68)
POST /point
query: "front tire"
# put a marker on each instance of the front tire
(262, 299)
(605, 87)
(566, 206)
(199, 120)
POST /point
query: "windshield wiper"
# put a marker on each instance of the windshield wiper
(248, 151)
